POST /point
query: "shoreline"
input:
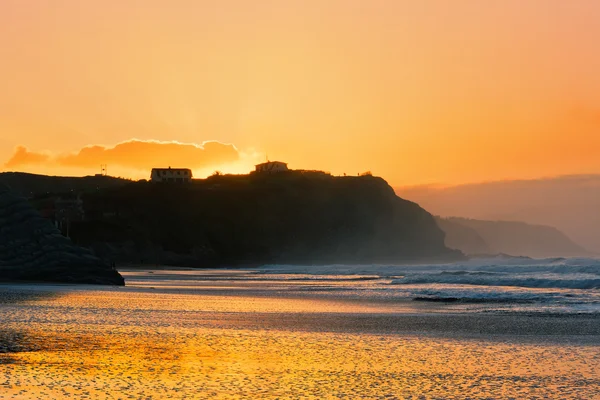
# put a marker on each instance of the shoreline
(88, 341)
(253, 310)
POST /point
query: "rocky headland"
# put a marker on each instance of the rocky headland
(292, 217)
(32, 249)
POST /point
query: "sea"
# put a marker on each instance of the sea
(502, 284)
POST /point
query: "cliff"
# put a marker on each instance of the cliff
(294, 217)
(32, 249)
(514, 238)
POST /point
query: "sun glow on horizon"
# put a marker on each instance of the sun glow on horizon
(448, 92)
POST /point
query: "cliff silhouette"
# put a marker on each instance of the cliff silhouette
(32, 185)
(292, 217)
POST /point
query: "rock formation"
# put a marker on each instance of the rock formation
(32, 249)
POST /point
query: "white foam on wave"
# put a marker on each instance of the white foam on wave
(583, 281)
(586, 269)
(555, 282)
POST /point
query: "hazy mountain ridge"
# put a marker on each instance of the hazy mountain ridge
(569, 203)
(477, 237)
(464, 238)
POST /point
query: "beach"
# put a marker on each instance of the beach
(268, 334)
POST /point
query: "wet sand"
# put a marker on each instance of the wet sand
(240, 341)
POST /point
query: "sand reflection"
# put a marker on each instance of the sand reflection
(115, 344)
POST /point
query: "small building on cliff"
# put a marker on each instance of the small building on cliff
(270, 167)
(171, 175)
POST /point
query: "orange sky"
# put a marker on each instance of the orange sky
(418, 92)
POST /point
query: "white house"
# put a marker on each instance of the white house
(171, 175)
(272, 167)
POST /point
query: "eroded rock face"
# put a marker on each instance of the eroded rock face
(32, 249)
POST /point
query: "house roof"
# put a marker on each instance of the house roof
(171, 169)
(271, 162)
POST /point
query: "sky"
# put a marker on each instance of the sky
(418, 92)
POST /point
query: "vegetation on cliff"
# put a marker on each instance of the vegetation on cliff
(32, 185)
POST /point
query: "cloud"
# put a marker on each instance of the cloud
(135, 154)
(23, 156)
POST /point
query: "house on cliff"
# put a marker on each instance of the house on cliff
(171, 175)
(270, 167)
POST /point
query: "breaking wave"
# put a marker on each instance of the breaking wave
(496, 279)
(554, 284)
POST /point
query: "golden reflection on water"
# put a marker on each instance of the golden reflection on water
(116, 345)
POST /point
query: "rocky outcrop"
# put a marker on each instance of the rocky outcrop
(32, 249)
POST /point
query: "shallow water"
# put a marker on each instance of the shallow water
(187, 334)
(557, 285)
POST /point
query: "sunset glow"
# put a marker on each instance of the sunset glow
(417, 92)
(283, 199)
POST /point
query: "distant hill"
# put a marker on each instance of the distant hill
(30, 185)
(501, 237)
(464, 238)
(569, 203)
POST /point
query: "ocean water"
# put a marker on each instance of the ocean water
(555, 285)
(558, 285)
(497, 329)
